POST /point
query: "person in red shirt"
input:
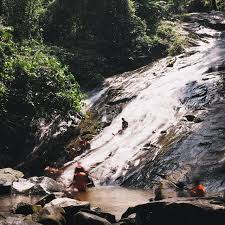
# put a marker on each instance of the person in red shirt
(198, 190)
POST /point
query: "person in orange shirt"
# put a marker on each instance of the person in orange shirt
(198, 190)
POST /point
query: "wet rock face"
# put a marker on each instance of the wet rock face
(214, 20)
(111, 104)
(194, 147)
(179, 211)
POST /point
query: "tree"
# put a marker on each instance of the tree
(22, 15)
(213, 5)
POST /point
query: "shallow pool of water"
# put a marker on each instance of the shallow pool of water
(112, 199)
(115, 200)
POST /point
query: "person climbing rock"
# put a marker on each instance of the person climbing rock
(124, 127)
(159, 192)
(198, 189)
(82, 144)
(124, 124)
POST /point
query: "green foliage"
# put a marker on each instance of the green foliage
(35, 80)
(104, 37)
(169, 34)
(220, 4)
(152, 12)
(98, 38)
(33, 84)
(23, 15)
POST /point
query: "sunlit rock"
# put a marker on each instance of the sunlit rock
(36, 185)
(7, 177)
(71, 206)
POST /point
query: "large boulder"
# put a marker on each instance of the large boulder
(71, 206)
(7, 177)
(177, 211)
(36, 185)
(50, 216)
(84, 218)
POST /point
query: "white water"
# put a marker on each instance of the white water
(156, 108)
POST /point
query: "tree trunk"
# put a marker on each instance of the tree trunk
(213, 5)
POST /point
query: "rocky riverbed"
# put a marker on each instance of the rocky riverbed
(54, 208)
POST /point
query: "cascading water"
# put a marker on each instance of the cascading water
(161, 102)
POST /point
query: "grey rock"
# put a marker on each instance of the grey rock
(7, 177)
(71, 206)
(84, 218)
(36, 185)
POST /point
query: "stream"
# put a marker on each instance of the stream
(160, 98)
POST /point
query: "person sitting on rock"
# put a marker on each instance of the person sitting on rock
(159, 192)
(198, 190)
